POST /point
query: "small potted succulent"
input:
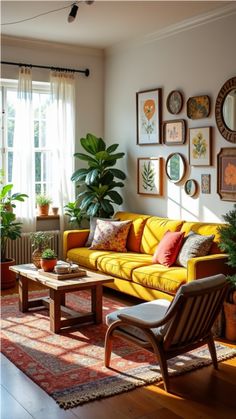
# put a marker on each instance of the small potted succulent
(43, 201)
(48, 260)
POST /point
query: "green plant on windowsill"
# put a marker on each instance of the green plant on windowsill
(75, 214)
(43, 201)
(98, 179)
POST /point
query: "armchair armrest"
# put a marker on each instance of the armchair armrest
(74, 238)
(209, 265)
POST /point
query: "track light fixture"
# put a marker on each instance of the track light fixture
(73, 13)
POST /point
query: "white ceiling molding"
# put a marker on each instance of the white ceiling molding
(19, 42)
(172, 30)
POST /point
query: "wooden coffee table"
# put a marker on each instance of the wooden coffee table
(57, 291)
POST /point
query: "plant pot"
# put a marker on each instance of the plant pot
(55, 210)
(8, 278)
(48, 264)
(230, 321)
(36, 257)
(43, 209)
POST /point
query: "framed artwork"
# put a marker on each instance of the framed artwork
(149, 114)
(174, 102)
(206, 184)
(200, 146)
(191, 187)
(226, 174)
(174, 132)
(198, 107)
(150, 176)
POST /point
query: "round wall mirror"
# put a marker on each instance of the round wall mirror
(175, 167)
(191, 187)
(225, 110)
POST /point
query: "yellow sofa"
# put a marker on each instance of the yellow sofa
(133, 272)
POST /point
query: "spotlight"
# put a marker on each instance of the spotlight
(73, 13)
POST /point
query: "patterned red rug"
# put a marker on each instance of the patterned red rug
(70, 367)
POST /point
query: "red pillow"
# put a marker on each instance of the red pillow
(168, 249)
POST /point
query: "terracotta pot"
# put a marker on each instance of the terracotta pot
(8, 278)
(36, 257)
(43, 209)
(48, 264)
(55, 210)
(230, 321)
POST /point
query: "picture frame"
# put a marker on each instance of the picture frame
(206, 183)
(174, 102)
(226, 174)
(149, 116)
(198, 107)
(174, 132)
(200, 146)
(191, 187)
(150, 176)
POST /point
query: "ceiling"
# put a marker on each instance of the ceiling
(102, 24)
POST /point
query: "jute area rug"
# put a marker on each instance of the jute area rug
(70, 367)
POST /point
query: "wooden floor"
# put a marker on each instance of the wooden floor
(204, 393)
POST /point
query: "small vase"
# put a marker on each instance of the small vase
(55, 210)
(36, 257)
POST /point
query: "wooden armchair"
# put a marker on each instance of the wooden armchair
(170, 329)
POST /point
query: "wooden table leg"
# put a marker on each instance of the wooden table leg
(55, 310)
(96, 296)
(23, 294)
(63, 299)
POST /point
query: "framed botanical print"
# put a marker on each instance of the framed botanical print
(149, 114)
(206, 183)
(150, 176)
(174, 132)
(226, 174)
(200, 146)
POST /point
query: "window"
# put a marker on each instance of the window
(42, 154)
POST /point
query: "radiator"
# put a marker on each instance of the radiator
(21, 249)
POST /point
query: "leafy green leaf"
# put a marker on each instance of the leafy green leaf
(116, 197)
(118, 173)
(112, 148)
(79, 175)
(85, 157)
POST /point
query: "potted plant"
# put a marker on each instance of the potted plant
(228, 244)
(48, 260)
(40, 241)
(10, 229)
(43, 201)
(75, 213)
(98, 179)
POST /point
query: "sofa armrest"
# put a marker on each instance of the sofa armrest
(209, 265)
(74, 238)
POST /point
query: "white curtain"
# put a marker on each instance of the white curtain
(23, 161)
(61, 138)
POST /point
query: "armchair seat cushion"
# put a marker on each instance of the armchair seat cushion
(121, 265)
(160, 277)
(155, 309)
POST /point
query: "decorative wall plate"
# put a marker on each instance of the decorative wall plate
(191, 187)
(174, 102)
(198, 107)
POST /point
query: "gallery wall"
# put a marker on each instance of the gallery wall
(197, 60)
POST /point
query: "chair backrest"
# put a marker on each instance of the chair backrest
(195, 306)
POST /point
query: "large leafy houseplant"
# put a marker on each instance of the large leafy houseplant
(75, 213)
(99, 178)
(228, 244)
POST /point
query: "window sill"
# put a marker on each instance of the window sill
(47, 217)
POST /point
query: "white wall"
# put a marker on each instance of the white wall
(89, 90)
(196, 61)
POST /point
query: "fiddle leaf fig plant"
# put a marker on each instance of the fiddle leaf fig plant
(98, 179)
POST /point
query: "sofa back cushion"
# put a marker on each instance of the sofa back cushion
(154, 230)
(205, 229)
(136, 229)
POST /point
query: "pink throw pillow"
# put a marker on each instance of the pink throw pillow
(111, 235)
(168, 249)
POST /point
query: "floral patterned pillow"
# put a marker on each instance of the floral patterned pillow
(111, 235)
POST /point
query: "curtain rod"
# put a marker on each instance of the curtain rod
(86, 71)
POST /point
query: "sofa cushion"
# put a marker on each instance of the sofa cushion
(111, 235)
(195, 245)
(168, 248)
(85, 257)
(92, 226)
(154, 230)
(136, 229)
(205, 229)
(160, 277)
(121, 265)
